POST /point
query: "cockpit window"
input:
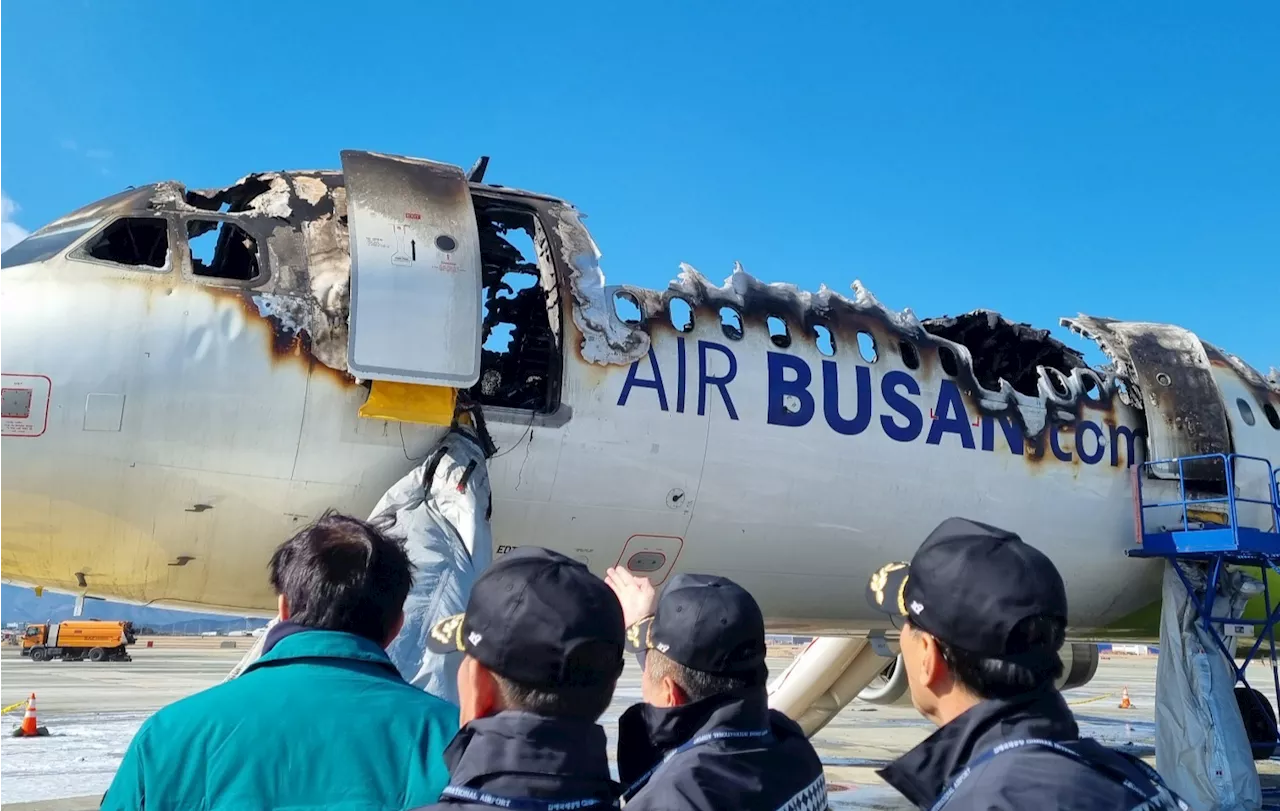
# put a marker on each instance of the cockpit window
(134, 241)
(39, 247)
(222, 250)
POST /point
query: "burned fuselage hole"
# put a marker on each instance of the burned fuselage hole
(231, 199)
(947, 357)
(1003, 350)
(627, 308)
(133, 241)
(220, 249)
(519, 357)
(825, 340)
(731, 323)
(778, 333)
(867, 347)
(910, 355)
(681, 314)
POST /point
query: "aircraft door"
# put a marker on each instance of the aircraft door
(1184, 408)
(415, 271)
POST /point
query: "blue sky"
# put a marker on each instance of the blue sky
(1037, 159)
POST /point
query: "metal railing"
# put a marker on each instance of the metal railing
(1231, 499)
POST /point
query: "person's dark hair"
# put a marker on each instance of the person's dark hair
(997, 678)
(696, 684)
(341, 574)
(579, 702)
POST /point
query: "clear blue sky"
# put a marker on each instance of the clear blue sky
(1034, 158)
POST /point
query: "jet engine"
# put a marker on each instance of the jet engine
(1079, 665)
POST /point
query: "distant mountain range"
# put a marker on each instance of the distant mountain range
(18, 604)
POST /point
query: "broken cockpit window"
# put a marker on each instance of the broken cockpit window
(222, 250)
(133, 241)
(519, 360)
(1003, 349)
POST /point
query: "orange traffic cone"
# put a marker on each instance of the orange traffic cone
(1124, 698)
(29, 728)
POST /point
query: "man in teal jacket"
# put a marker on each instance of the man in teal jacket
(322, 719)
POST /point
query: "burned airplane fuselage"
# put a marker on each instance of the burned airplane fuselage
(788, 439)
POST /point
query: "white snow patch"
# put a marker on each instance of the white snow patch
(78, 758)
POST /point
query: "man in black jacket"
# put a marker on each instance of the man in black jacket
(984, 615)
(705, 737)
(544, 641)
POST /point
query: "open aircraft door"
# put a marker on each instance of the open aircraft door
(415, 272)
(1184, 409)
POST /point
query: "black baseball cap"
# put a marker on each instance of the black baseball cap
(969, 584)
(540, 619)
(706, 623)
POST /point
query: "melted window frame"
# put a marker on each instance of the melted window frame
(182, 225)
(80, 253)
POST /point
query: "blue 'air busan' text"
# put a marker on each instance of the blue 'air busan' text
(894, 405)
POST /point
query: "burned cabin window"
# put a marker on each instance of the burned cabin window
(1246, 411)
(947, 358)
(1091, 386)
(134, 241)
(1122, 391)
(867, 347)
(731, 323)
(627, 308)
(910, 357)
(681, 314)
(778, 332)
(1272, 416)
(222, 250)
(1059, 382)
(520, 356)
(825, 340)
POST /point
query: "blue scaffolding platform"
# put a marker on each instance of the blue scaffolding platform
(1216, 541)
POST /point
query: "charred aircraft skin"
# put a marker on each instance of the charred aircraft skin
(300, 220)
(1058, 391)
(301, 217)
(1009, 388)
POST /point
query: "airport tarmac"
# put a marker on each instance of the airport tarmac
(93, 710)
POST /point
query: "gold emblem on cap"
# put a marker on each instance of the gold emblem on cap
(633, 633)
(449, 631)
(881, 579)
(902, 596)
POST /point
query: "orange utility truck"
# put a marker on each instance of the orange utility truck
(95, 640)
